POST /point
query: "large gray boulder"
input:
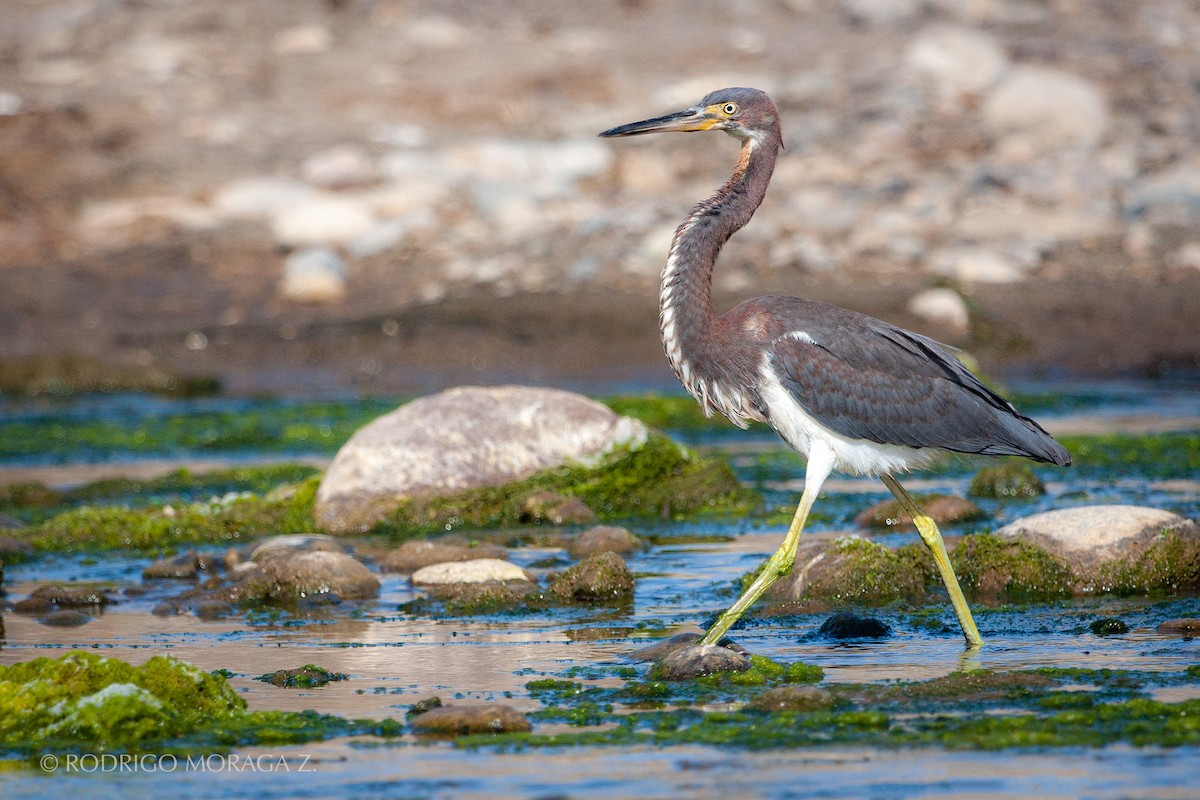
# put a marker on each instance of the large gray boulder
(1088, 536)
(462, 439)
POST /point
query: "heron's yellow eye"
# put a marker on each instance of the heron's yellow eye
(729, 109)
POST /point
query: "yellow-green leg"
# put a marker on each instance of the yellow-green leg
(932, 538)
(780, 563)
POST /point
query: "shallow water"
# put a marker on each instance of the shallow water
(394, 659)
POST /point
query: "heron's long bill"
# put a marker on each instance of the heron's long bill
(693, 119)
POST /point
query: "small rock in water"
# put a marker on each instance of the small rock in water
(459, 720)
(421, 706)
(660, 650)
(605, 539)
(556, 509)
(852, 626)
(477, 570)
(290, 574)
(794, 698)
(212, 609)
(314, 275)
(696, 660)
(309, 542)
(185, 565)
(1108, 626)
(941, 508)
(1087, 536)
(45, 598)
(415, 554)
(1185, 626)
(339, 167)
(66, 618)
(602, 577)
(308, 676)
(941, 307)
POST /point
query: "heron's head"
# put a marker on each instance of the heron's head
(748, 114)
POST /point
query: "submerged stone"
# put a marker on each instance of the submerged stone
(851, 571)
(941, 508)
(65, 618)
(1108, 626)
(415, 554)
(605, 538)
(1184, 626)
(47, 598)
(660, 650)
(459, 720)
(852, 626)
(599, 578)
(697, 660)
(308, 676)
(184, 566)
(794, 698)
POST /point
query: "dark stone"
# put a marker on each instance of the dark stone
(662, 649)
(605, 539)
(460, 720)
(308, 676)
(165, 609)
(793, 698)
(421, 706)
(48, 598)
(213, 609)
(1108, 626)
(65, 618)
(600, 578)
(183, 566)
(1186, 626)
(696, 660)
(852, 626)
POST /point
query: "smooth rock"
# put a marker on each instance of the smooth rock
(599, 578)
(459, 720)
(660, 650)
(1186, 626)
(308, 542)
(212, 609)
(852, 626)
(65, 618)
(793, 698)
(415, 554)
(1088, 536)
(322, 219)
(882, 13)
(259, 197)
(941, 307)
(301, 574)
(314, 275)
(605, 539)
(692, 662)
(463, 439)
(1048, 107)
(339, 167)
(943, 509)
(65, 596)
(309, 39)
(477, 570)
(958, 61)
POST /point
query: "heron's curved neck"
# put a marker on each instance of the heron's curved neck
(685, 301)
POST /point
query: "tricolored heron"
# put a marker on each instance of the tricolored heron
(846, 391)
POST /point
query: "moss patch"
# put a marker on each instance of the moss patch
(306, 677)
(1006, 481)
(661, 478)
(1171, 565)
(858, 572)
(997, 570)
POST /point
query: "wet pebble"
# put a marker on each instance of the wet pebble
(660, 650)
(458, 720)
(605, 539)
(212, 609)
(1183, 626)
(314, 275)
(602, 577)
(852, 626)
(413, 555)
(1108, 626)
(696, 660)
(46, 598)
(793, 698)
(296, 574)
(65, 618)
(941, 508)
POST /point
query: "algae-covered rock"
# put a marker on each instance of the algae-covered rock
(997, 570)
(944, 509)
(697, 660)
(86, 700)
(474, 480)
(1001, 481)
(460, 439)
(599, 578)
(794, 698)
(463, 719)
(662, 649)
(1108, 626)
(306, 677)
(852, 571)
(1119, 549)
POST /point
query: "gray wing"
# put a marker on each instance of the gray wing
(866, 379)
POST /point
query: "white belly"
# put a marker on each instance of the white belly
(857, 456)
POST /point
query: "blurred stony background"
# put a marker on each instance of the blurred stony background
(393, 195)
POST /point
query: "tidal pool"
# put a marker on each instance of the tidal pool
(393, 658)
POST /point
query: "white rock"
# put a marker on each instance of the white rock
(259, 197)
(339, 167)
(295, 541)
(1047, 108)
(386, 235)
(476, 570)
(314, 275)
(956, 60)
(941, 307)
(322, 219)
(302, 40)
(462, 439)
(975, 264)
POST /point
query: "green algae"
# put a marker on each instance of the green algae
(991, 569)
(229, 519)
(660, 478)
(1012, 480)
(666, 412)
(1159, 455)
(1171, 565)
(306, 677)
